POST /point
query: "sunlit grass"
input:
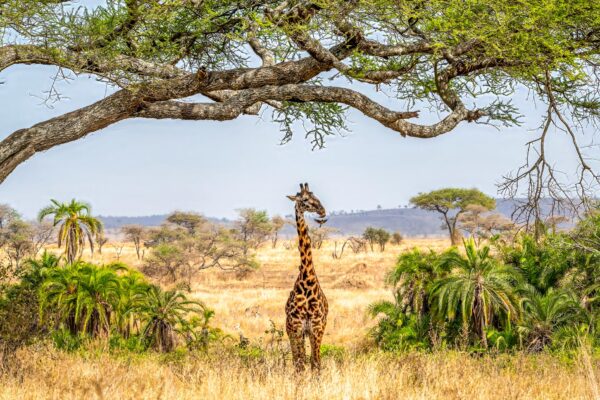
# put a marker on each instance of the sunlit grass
(47, 373)
(246, 306)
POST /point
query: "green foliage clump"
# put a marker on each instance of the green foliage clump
(378, 236)
(532, 295)
(336, 353)
(77, 226)
(79, 302)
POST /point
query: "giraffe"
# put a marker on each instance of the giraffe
(306, 308)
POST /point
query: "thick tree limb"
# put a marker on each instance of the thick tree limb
(24, 143)
(235, 105)
(160, 52)
(81, 62)
(150, 102)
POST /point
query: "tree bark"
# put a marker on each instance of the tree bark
(149, 89)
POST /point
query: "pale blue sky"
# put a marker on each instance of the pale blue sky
(141, 167)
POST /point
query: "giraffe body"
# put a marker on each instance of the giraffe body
(306, 308)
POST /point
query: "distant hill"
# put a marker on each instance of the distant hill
(409, 221)
(113, 223)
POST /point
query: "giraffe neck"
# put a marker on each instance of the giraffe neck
(304, 244)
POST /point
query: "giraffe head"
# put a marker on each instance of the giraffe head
(306, 201)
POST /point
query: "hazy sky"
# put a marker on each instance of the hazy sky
(141, 167)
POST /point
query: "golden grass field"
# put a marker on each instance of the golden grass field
(247, 305)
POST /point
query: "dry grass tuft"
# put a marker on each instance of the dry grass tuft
(46, 373)
(247, 306)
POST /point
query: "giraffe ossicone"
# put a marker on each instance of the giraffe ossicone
(306, 308)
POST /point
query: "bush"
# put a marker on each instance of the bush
(134, 344)
(19, 304)
(337, 353)
(70, 303)
(376, 236)
(534, 294)
(65, 340)
(396, 238)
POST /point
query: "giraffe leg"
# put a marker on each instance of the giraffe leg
(316, 337)
(295, 334)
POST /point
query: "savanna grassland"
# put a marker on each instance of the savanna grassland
(245, 306)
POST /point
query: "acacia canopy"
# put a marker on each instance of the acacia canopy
(452, 203)
(303, 61)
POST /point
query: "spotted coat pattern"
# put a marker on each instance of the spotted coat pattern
(306, 308)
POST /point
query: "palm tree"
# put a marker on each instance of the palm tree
(415, 271)
(164, 312)
(132, 294)
(82, 296)
(478, 289)
(36, 269)
(545, 314)
(397, 330)
(77, 225)
(58, 295)
(97, 296)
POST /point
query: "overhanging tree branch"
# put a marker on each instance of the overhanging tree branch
(157, 53)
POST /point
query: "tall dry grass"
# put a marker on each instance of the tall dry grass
(248, 305)
(48, 374)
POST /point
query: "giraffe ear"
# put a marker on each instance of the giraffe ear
(306, 187)
(292, 198)
(301, 187)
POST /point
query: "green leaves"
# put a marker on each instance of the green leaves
(533, 295)
(319, 120)
(452, 199)
(91, 300)
(76, 226)
(478, 289)
(164, 312)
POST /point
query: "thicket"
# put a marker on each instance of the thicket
(71, 303)
(529, 294)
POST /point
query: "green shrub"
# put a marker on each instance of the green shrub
(70, 302)
(135, 344)
(65, 340)
(529, 295)
(337, 353)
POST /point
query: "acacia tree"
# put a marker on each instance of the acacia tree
(452, 203)
(277, 223)
(253, 228)
(7, 215)
(465, 59)
(190, 221)
(16, 241)
(135, 233)
(101, 240)
(370, 235)
(383, 237)
(482, 224)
